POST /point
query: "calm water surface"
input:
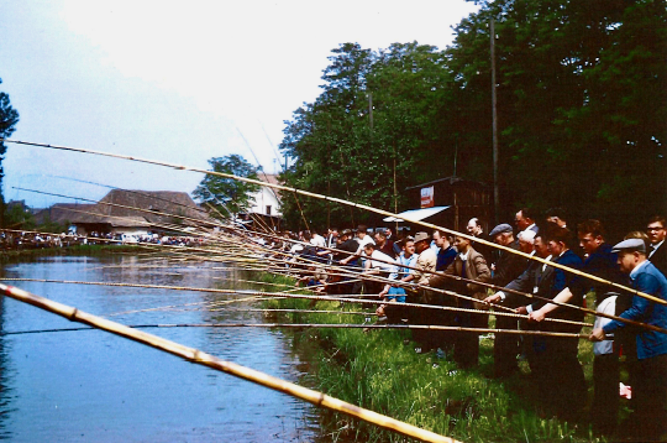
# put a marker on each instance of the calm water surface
(91, 386)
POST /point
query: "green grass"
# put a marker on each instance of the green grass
(379, 370)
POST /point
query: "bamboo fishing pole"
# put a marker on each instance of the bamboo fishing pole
(500, 306)
(511, 291)
(485, 284)
(364, 326)
(198, 357)
(347, 203)
(286, 295)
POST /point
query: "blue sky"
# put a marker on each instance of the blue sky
(176, 82)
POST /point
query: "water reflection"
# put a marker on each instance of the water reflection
(92, 386)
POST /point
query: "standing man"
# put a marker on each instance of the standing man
(650, 383)
(446, 253)
(425, 264)
(508, 267)
(471, 265)
(475, 229)
(530, 281)
(656, 234)
(524, 220)
(602, 262)
(383, 244)
(559, 374)
(362, 239)
(332, 238)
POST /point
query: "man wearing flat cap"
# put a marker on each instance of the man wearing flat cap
(425, 266)
(649, 420)
(508, 267)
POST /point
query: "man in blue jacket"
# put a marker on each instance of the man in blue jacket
(557, 370)
(650, 389)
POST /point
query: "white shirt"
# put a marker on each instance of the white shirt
(363, 242)
(387, 264)
(529, 308)
(607, 306)
(318, 240)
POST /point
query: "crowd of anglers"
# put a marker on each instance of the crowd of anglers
(468, 277)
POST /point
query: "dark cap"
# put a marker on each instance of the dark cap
(500, 229)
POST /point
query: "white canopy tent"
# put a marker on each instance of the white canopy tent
(413, 215)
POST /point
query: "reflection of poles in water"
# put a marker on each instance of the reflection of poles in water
(198, 357)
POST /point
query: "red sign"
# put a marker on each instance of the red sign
(427, 200)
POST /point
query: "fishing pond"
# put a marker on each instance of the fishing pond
(91, 386)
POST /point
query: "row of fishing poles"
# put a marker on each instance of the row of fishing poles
(230, 244)
(235, 245)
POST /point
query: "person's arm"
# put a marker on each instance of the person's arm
(563, 296)
(640, 306)
(356, 256)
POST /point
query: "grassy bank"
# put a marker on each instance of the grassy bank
(90, 250)
(380, 370)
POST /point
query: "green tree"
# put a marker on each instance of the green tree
(8, 119)
(18, 216)
(371, 132)
(582, 114)
(227, 195)
(581, 104)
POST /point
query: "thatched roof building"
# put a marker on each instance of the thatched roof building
(123, 210)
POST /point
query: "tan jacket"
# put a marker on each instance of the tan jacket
(425, 264)
(476, 269)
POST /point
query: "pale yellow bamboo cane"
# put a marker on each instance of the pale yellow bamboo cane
(196, 356)
(287, 295)
(346, 203)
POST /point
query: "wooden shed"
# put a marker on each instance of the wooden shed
(450, 202)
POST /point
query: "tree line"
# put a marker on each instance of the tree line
(581, 104)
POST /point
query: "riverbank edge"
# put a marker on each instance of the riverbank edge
(379, 370)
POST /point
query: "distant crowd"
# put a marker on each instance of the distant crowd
(423, 268)
(21, 240)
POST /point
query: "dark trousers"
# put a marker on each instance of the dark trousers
(560, 376)
(604, 410)
(505, 348)
(648, 423)
(420, 316)
(466, 347)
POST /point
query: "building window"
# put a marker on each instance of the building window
(268, 209)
